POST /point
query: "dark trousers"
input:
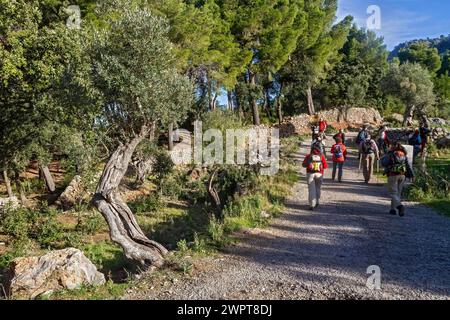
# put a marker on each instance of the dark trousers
(339, 166)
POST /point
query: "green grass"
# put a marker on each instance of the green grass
(433, 190)
(440, 205)
(109, 291)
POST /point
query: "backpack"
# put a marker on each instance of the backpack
(367, 147)
(398, 162)
(361, 137)
(338, 153)
(315, 164)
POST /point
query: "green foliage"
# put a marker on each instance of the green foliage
(421, 53)
(442, 89)
(39, 225)
(163, 165)
(173, 186)
(432, 187)
(355, 79)
(412, 84)
(90, 224)
(148, 204)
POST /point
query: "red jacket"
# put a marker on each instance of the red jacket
(344, 153)
(324, 163)
(322, 126)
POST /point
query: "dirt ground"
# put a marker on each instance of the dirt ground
(325, 254)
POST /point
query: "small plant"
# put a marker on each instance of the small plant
(182, 246)
(199, 244)
(215, 230)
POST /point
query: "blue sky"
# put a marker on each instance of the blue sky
(402, 20)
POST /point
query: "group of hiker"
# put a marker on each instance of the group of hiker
(395, 161)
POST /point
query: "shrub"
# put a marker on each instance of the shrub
(90, 224)
(216, 230)
(148, 204)
(172, 186)
(39, 224)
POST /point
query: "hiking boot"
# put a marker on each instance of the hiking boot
(317, 205)
(311, 208)
(401, 210)
(393, 212)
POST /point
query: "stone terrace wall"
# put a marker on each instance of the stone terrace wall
(352, 118)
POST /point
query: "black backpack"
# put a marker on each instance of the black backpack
(367, 147)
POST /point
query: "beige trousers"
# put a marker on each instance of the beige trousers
(314, 186)
(367, 164)
(395, 187)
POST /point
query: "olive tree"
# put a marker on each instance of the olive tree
(133, 69)
(413, 85)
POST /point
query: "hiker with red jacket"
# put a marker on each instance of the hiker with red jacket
(315, 164)
(397, 168)
(339, 152)
(322, 125)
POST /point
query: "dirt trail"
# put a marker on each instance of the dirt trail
(325, 254)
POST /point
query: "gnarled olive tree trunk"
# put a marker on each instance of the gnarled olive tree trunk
(7, 183)
(123, 227)
(409, 115)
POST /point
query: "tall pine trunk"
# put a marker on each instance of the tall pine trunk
(7, 183)
(309, 95)
(280, 105)
(279, 110)
(267, 102)
(230, 100)
(239, 108)
(123, 227)
(254, 103)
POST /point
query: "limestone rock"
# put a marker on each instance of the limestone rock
(437, 121)
(397, 117)
(73, 193)
(11, 201)
(443, 142)
(360, 116)
(62, 269)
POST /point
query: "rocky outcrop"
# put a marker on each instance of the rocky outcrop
(438, 121)
(73, 193)
(443, 142)
(338, 118)
(69, 268)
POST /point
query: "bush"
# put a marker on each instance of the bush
(39, 224)
(172, 186)
(91, 224)
(148, 204)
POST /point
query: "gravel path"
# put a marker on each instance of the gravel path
(325, 254)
